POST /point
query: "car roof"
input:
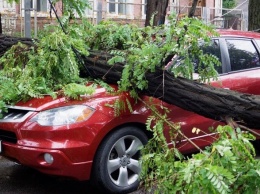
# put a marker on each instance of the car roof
(238, 33)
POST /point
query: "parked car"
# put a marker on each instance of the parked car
(85, 139)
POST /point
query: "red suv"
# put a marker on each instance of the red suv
(85, 139)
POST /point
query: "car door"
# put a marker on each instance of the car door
(241, 66)
(189, 120)
(240, 71)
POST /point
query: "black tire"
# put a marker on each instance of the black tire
(116, 166)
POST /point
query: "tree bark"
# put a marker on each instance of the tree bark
(156, 8)
(205, 100)
(1, 28)
(6, 42)
(254, 16)
(193, 8)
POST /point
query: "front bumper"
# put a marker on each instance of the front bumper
(34, 157)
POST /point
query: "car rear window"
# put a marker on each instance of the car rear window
(243, 54)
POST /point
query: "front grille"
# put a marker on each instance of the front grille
(8, 136)
(15, 114)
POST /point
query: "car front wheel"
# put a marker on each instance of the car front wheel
(116, 166)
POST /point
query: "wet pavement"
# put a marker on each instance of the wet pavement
(17, 179)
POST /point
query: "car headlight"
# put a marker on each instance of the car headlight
(63, 115)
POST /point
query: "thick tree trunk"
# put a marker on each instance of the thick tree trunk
(205, 100)
(208, 101)
(1, 28)
(193, 8)
(7, 42)
(254, 16)
(156, 8)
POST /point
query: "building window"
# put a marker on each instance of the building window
(90, 10)
(112, 6)
(144, 7)
(7, 5)
(122, 7)
(119, 7)
(40, 5)
(218, 7)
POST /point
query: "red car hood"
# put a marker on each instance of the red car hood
(48, 102)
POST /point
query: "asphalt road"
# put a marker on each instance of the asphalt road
(17, 179)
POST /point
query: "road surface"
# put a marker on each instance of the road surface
(17, 179)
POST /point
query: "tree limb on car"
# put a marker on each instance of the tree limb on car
(203, 99)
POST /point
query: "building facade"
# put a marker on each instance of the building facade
(118, 10)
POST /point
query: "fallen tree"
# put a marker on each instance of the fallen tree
(222, 168)
(211, 102)
(203, 99)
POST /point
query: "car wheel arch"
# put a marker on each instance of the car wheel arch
(100, 138)
(138, 126)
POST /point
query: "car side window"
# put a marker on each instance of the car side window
(243, 54)
(258, 42)
(214, 49)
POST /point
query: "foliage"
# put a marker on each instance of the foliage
(114, 37)
(50, 65)
(11, 1)
(227, 166)
(74, 91)
(229, 4)
(179, 38)
(75, 6)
